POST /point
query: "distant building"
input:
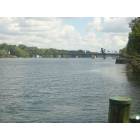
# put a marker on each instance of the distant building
(59, 56)
(38, 56)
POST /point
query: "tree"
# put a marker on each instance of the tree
(3, 53)
(133, 45)
(21, 53)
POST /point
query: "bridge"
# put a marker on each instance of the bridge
(106, 54)
(72, 54)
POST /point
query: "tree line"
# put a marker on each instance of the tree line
(132, 49)
(133, 45)
(7, 50)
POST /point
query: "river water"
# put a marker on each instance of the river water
(63, 90)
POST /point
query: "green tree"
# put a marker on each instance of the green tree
(133, 45)
(21, 53)
(3, 53)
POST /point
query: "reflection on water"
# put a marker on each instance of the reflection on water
(62, 90)
(134, 81)
(133, 78)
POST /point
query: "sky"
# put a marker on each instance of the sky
(69, 33)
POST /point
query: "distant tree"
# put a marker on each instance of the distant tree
(21, 50)
(3, 53)
(21, 53)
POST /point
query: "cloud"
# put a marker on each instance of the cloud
(109, 33)
(108, 41)
(113, 25)
(95, 24)
(40, 32)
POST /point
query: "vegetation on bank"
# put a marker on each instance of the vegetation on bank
(132, 50)
(7, 50)
(133, 45)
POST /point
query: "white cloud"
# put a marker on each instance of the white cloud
(95, 24)
(109, 33)
(117, 25)
(40, 32)
(106, 40)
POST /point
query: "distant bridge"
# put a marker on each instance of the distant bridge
(88, 55)
(106, 54)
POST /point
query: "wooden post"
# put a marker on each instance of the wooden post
(119, 108)
(135, 118)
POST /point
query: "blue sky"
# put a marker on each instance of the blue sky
(69, 33)
(80, 23)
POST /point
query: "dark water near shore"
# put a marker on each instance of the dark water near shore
(62, 90)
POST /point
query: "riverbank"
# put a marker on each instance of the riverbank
(121, 60)
(134, 64)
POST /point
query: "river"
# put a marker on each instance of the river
(63, 90)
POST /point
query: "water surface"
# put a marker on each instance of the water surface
(62, 90)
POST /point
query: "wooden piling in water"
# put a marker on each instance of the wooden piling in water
(119, 108)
